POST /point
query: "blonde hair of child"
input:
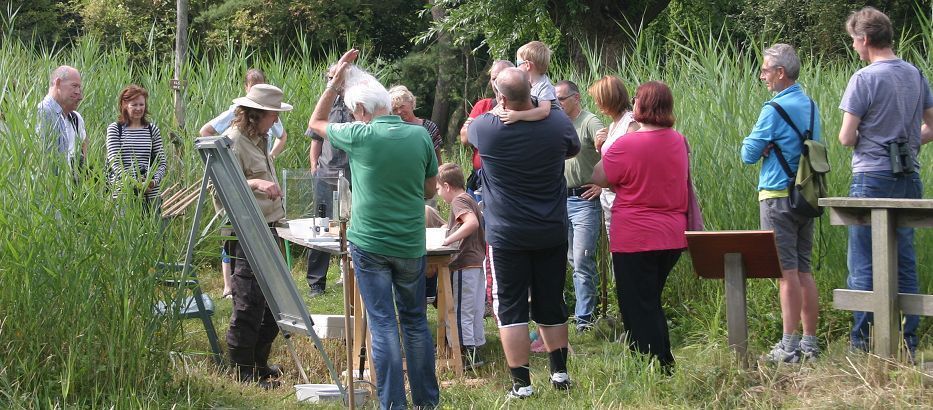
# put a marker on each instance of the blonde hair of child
(537, 53)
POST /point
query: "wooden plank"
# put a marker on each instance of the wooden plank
(847, 202)
(849, 216)
(853, 300)
(884, 279)
(757, 247)
(736, 311)
(907, 218)
(862, 301)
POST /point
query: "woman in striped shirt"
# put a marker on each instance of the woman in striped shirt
(134, 148)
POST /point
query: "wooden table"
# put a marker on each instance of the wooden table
(884, 215)
(448, 348)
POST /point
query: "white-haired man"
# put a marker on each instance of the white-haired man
(393, 168)
(60, 125)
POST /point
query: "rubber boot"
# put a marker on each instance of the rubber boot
(263, 369)
(244, 363)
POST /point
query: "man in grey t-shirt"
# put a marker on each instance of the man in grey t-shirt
(326, 164)
(883, 104)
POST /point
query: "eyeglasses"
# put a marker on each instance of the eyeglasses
(765, 70)
(561, 99)
(519, 62)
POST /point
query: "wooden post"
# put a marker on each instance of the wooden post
(181, 46)
(884, 280)
(736, 317)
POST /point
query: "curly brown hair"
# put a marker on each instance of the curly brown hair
(247, 120)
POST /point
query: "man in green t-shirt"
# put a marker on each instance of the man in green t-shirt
(393, 169)
(583, 208)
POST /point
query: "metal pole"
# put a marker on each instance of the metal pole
(347, 323)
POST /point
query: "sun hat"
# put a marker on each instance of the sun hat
(264, 97)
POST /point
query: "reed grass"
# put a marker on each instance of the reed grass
(77, 283)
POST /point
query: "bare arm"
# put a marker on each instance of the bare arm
(315, 153)
(318, 121)
(926, 132)
(468, 225)
(599, 175)
(279, 145)
(464, 137)
(430, 189)
(268, 187)
(535, 114)
(848, 132)
(207, 130)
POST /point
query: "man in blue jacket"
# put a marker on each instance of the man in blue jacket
(793, 232)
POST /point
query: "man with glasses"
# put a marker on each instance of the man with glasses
(583, 208)
(326, 164)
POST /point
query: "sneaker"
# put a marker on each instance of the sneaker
(779, 354)
(519, 392)
(585, 327)
(809, 351)
(315, 291)
(560, 381)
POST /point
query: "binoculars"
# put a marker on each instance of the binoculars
(902, 161)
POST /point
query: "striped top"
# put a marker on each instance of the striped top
(133, 155)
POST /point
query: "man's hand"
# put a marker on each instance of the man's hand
(767, 150)
(601, 136)
(342, 65)
(271, 189)
(592, 192)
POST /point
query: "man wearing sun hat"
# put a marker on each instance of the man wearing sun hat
(252, 325)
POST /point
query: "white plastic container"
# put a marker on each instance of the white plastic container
(325, 393)
(435, 237)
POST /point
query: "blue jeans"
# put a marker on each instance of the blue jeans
(582, 235)
(388, 283)
(883, 185)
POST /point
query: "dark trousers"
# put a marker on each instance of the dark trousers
(640, 278)
(318, 263)
(251, 323)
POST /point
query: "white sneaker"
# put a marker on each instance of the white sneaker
(560, 381)
(520, 392)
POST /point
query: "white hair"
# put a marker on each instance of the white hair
(364, 89)
(783, 55)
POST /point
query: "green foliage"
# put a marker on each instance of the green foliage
(143, 26)
(502, 25)
(384, 26)
(45, 21)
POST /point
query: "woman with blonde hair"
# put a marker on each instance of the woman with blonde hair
(611, 98)
(403, 105)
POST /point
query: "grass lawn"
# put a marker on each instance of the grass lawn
(605, 373)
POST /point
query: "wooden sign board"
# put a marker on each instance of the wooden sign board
(758, 250)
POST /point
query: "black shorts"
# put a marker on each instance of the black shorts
(516, 274)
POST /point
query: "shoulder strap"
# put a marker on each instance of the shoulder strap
(783, 114)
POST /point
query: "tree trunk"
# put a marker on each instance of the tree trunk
(181, 46)
(440, 112)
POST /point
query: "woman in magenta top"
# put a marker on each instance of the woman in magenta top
(648, 172)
